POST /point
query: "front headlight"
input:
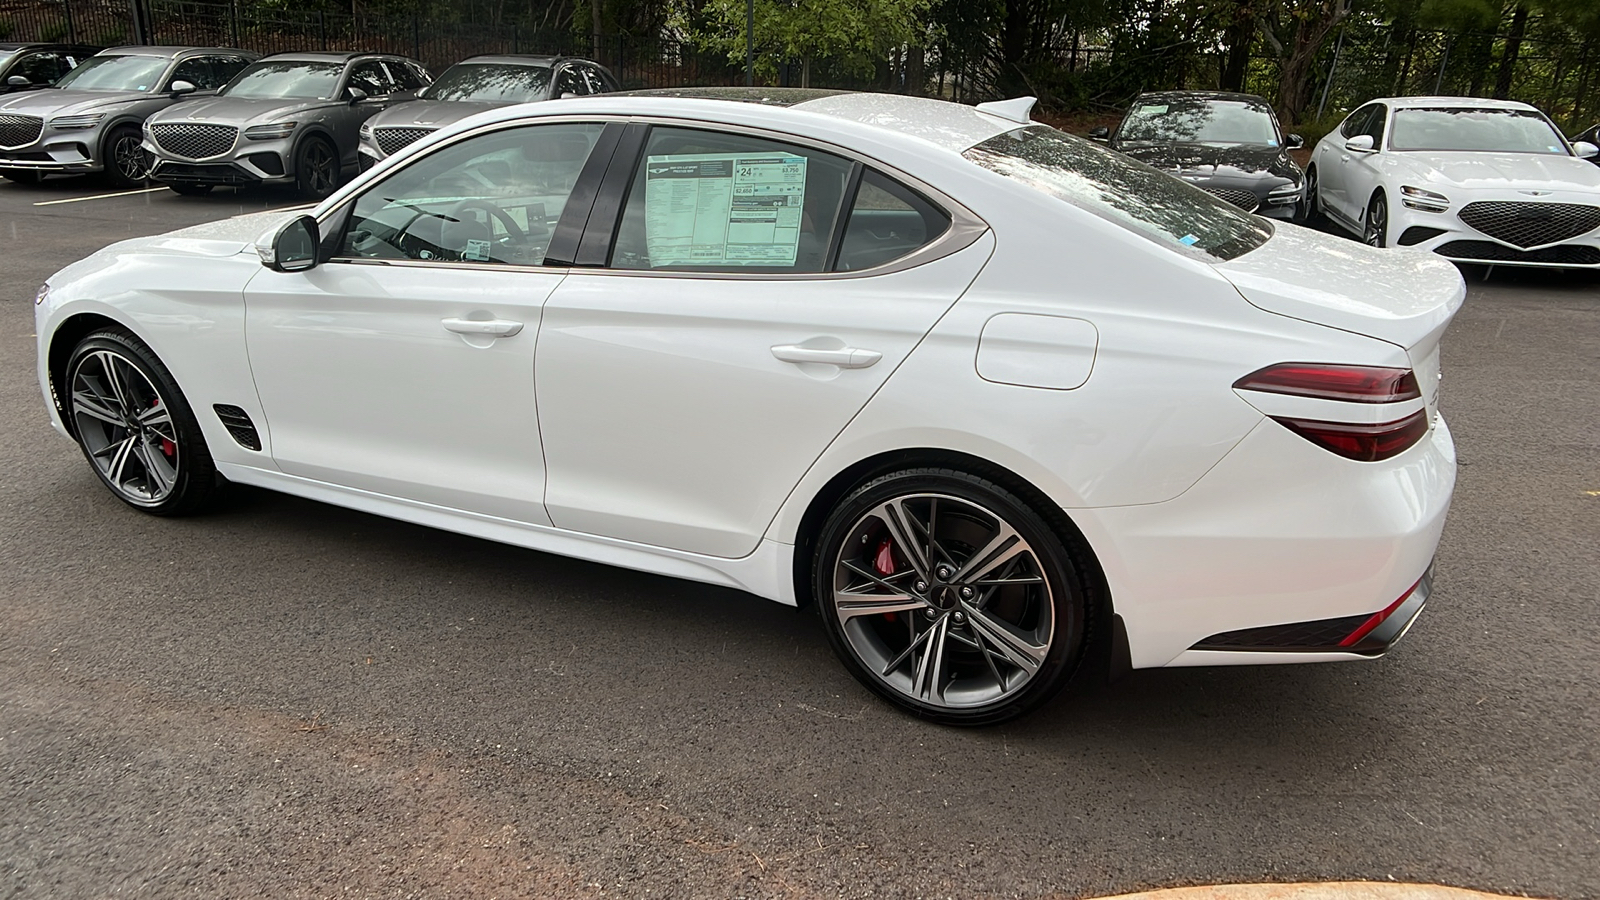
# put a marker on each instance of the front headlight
(366, 131)
(1425, 201)
(1284, 194)
(271, 132)
(41, 295)
(70, 123)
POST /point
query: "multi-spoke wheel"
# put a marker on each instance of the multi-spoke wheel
(127, 164)
(1376, 230)
(1308, 211)
(949, 596)
(316, 168)
(135, 427)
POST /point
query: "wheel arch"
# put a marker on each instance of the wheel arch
(315, 130)
(63, 340)
(1105, 641)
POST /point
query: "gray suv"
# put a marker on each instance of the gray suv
(89, 121)
(290, 118)
(475, 84)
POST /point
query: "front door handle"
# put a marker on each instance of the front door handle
(844, 357)
(491, 327)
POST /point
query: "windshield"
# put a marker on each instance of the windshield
(1495, 130)
(1114, 187)
(491, 83)
(1199, 122)
(115, 73)
(286, 79)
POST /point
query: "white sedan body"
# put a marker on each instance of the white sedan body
(1499, 185)
(691, 422)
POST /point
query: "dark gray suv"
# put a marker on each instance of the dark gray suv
(290, 118)
(89, 121)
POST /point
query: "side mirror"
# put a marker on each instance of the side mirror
(292, 247)
(1100, 133)
(18, 81)
(1295, 141)
(355, 94)
(1585, 150)
(179, 88)
(1361, 143)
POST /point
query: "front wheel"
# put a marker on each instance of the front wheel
(1375, 233)
(135, 427)
(127, 164)
(1309, 210)
(950, 597)
(316, 168)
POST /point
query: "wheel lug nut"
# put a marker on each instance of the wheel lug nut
(930, 613)
(966, 593)
(959, 617)
(944, 572)
(920, 587)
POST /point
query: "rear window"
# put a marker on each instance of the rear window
(1120, 190)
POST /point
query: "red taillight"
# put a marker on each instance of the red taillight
(1364, 443)
(1378, 618)
(1356, 384)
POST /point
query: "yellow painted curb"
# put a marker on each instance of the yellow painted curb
(1332, 890)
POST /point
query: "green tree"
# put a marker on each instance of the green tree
(854, 34)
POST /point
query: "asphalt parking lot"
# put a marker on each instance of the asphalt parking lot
(287, 699)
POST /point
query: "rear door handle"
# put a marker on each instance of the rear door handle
(844, 358)
(493, 327)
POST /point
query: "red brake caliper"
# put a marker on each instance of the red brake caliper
(885, 563)
(168, 449)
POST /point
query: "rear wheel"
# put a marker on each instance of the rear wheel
(948, 596)
(135, 427)
(127, 164)
(1375, 233)
(316, 168)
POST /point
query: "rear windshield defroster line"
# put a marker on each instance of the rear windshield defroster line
(1131, 194)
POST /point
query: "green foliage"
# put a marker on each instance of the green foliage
(855, 35)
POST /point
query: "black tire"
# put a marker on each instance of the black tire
(127, 165)
(1375, 227)
(1309, 211)
(119, 423)
(22, 176)
(316, 168)
(192, 190)
(1039, 593)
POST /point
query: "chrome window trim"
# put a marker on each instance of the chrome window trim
(965, 225)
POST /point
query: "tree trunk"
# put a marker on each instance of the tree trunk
(1013, 50)
(594, 18)
(1236, 39)
(916, 72)
(1508, 59)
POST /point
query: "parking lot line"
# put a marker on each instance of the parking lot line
(101, 196)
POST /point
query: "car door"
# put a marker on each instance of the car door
(1332, 159)
(404, 365)
(372, 78)
(1361, 169)
(708, 347)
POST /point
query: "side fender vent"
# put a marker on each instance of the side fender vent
(238, 423)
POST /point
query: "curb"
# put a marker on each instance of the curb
(1332, 890)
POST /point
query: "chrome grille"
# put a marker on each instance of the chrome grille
(1531, 224)
(1488, 251)
(19, 131)
(1243, 199)
(192, 141)
(392, 140)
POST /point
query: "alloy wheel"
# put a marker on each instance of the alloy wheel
(125, 428)
(128, 155)
(943, 601)
(321, 169)
(1377, 226)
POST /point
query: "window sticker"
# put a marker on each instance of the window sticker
(1188, 240)
(477, 251)
(723, 209)
(1153, 110)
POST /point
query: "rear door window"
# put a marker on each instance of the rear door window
(371, 78)
(887, 221)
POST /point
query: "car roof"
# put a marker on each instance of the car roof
(763, 96)
(338, 56)
(1457, 102)
(1203, 95)
(519, 59)
(167, 52)
(9, 46)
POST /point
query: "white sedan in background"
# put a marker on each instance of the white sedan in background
(1484, 181)
(998, 402)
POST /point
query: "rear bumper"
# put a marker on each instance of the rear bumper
(1279, 537)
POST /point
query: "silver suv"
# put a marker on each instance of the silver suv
(89, 121)
(475, 84)
(290, 118)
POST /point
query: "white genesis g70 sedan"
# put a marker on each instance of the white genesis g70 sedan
(999, 403)
(1482, 181)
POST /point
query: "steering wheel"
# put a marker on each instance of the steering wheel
(512, 228)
